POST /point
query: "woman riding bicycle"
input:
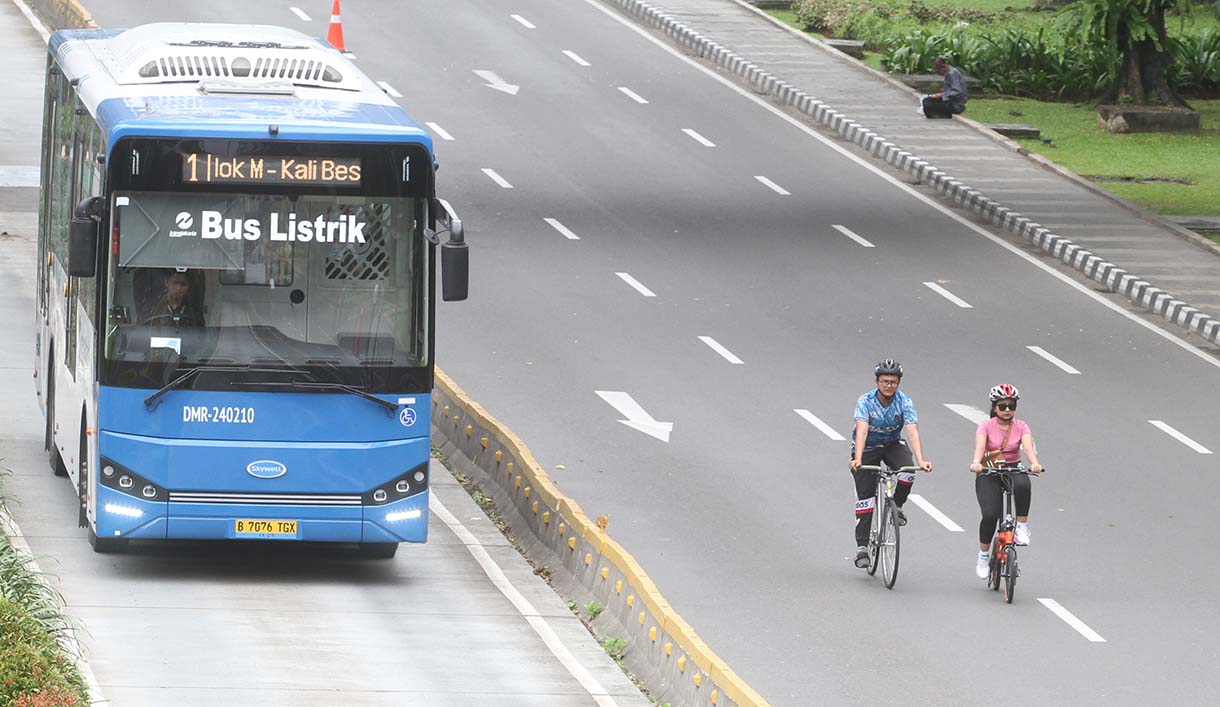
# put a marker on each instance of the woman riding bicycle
(998, 442)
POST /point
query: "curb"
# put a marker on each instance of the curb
(664, 652)
(1116, 279)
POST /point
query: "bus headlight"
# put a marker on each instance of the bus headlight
(125, 481)
(379, 495)
(108, 471)
(402, 486)
(149, 491)
(419, 476)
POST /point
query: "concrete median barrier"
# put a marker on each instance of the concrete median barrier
(63, 14)
(587, 565)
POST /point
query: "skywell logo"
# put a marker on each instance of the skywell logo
(266, 469)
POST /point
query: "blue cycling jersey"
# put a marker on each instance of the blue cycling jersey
(885, 422)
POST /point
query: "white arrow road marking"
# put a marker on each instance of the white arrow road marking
(575, 57)
(822, 426)
(524, 22)
(773, 186)
(495, 177)
(567, 233)
(494, 81)
(636, 417)
(440, 132)
(632, 95)
(848, 232)
(969, 412)
(948, 295)
(1063, 365)
(933, 511)
(720, 349)
(698, 138)
(636, 284)
(300, 13)
(389, 89)
(1070, 619)
(1180, 437)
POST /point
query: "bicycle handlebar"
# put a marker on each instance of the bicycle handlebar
(1010, 470)
(880, 470)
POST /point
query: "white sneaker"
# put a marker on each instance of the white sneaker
(983, 567)
(1022, 534)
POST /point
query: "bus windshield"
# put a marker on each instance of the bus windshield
(334, 286)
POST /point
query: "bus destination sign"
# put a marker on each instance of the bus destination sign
(204, 168)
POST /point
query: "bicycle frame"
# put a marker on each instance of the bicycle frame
(1003, 564)
(883, 508)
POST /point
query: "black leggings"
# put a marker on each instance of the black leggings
(895, 454)
(991, 501)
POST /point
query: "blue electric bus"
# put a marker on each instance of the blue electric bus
(236, 289)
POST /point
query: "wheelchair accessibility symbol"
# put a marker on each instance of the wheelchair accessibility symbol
(407, 417)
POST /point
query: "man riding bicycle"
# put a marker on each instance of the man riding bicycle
(881, 416)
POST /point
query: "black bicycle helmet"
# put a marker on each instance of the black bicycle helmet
(888, 367)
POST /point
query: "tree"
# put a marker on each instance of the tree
(1133, 33)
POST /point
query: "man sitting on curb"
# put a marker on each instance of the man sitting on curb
(952, 97)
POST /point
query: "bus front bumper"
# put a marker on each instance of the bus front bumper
(121, 515)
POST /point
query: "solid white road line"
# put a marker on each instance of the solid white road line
(1054, 359)
(524, 22)
(869, 164)
(497, 178)
(389, 89)
(36, 23)
(718, 348)
(575, 57)
(632, 94)
(948, 295)
(772, 185)
(847, 232)
(935, 513)
(698, 138)
(1180, 437)
(555, 224)
(636, 284)
(822, 426)
(19, 175)
(1070, 619)
(300, 13)
(440, 132)
(969, 412)
(523, 606)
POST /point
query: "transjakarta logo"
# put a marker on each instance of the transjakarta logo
(183, 221)
(266, 469)
(345, 229)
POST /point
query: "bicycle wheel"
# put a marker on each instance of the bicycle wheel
(1010, 573)
(993, 575)
(889, 543)
(874, 542)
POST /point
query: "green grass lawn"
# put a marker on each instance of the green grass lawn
(1080, 146)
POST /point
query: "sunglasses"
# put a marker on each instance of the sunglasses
(1005, 406)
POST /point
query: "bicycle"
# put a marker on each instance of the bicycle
(883, 540)
(1004, 565)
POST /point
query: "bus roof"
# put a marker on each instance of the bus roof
(226, 81)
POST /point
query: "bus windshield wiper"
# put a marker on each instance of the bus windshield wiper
(314, 385)
(148, 402)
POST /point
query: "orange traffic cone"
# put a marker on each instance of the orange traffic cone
(335, 34)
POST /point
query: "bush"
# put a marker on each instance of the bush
(34, 671)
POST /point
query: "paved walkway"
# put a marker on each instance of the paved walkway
(1155, 263)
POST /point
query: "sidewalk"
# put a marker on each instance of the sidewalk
(21, 118)
(1131, 251)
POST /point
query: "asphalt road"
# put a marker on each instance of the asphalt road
(743, 517)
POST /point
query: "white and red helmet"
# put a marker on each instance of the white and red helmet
(1005, 390)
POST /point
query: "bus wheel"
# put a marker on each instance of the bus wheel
(106, 545)
(57, 461)
(377, 551)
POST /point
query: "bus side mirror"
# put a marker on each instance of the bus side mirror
(455, 256)
(83, 237)
(455, 264)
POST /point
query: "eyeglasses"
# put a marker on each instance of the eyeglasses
(887, 383)
(1005, 406)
